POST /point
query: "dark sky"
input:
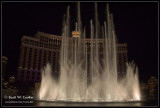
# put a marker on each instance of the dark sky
(136, 24)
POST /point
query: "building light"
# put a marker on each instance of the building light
(76, 34)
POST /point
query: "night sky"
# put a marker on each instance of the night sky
(136, 24)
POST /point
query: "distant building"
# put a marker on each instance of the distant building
(151, 86)
(4, 66)
(11, 80)
(36, 51)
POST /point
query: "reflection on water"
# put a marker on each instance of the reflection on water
(51, 103)
(139, 103)
(90, 104)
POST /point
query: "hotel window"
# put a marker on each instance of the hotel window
(23, 65)
(24, 57)
(36, 44)
(22, 76)
(39, 61)
(28, 73)
(49, 53)
(22, 72)
(27, 77)
(44, 56)
(30, 49)
(34, 65)
(38, 73)
(35, 54)
(29, 58)
(33, 78)
(25, 42)
(29, 65)
(33, 73)
(46, 45)
(24, 52)
(32, 43)
(44, 53)
(40, 44)
(39, 78)
(39, 58)
(39, 66)
(35, 50)
(25, 48)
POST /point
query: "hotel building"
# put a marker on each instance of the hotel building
(44, 48)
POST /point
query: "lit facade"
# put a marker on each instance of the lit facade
(36, 51)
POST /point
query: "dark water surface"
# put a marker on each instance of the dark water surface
(49, 103)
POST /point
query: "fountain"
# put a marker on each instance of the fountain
(84, 76)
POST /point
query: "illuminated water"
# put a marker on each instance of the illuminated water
(86, 78)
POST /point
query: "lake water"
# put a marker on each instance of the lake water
(47, 103)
